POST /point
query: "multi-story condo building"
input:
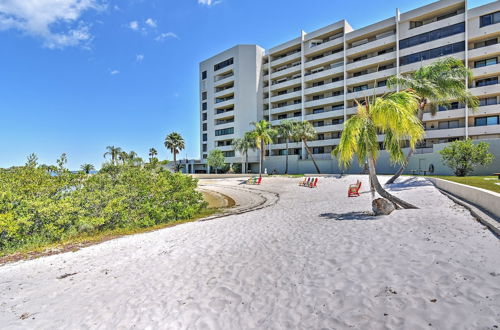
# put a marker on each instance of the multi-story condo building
(318, 77)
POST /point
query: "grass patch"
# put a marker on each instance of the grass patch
(41, 248)
(484, 182)
(287, 175)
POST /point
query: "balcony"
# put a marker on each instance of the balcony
(325, 46)
(484, 52)
(444, 115)
(222, 80)
(329, 128)
(286, 72)
(377, 75)
(287, 83)
(283, 60)
(380, 42)
(371, 61)
(485, 90)
(485, 71)
(288, 108)
(325, 87)
(325, 100)
(367, 92)
(224, 92)
(406, 32)
(324, 60)
(286, 96)
(325, 115)
(325, 73)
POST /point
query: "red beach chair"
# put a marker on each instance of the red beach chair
(314, 183)
(259, 180)
(354, 189)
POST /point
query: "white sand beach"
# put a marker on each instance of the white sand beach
(310, 259)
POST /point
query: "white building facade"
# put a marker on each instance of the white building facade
(319, 76)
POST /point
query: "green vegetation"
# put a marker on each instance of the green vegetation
(304, 131)
(263, 134)
(286, 131)
(216, 159)
(42, 205)
(485, 182)
(436, 84)
(392, 115)
(243, 145)
(463, 156)
(175, 143)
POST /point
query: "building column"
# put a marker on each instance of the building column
(345, 74)
(302, 83)
(466, 14)
(398, 69)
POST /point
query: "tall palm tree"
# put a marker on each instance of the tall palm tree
(243, 145)
(87, 168)
(304, 131)
(262, 134)
(152, 154)
(123, 157)
(392, 115)
(175, 143)
(113, 152)
(435, 84)
(286, 131)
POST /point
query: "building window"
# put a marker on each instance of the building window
(223, 64)
(382, 83)
(318, 150)
(204, 126)
(204, 116)
(204, 106)
(433, 53)
(318, 110)
(486, 43)
(229, 153)
(297, 114)
(205, 137)
(432, 35)
(485, 121)
(296, 89)
(489, 19)
(490, 61)
(321, 136)
(205, 156)
(487, 82)
(337, 121)
(338, 107)
(318, 83)
(297, 101)
(204, 148)
(204, 96)
(451, 106)
(488, 101)
(319, 123)
(282, 117)
(204, 75)
(360, 73)
(225, 131)
(359, 88)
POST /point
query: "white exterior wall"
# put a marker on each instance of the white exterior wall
(302, 75)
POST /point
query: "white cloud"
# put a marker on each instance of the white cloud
(114, 72)
(134, 25)
(139, 58)
(151, 22)
(166, 35)
(57, 22)
(209, 2)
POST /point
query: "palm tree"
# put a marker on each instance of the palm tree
(286, 131)
(304, 131)
(87, 168)
(123, 157)
(435, 84)
(262, 134)
(392, 115)
(175, 143)
(152, 154)
(243, 145)
(113, 152)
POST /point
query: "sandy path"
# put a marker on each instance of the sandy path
(303, 263)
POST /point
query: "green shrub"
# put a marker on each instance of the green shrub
(38, 206)
(464, 156)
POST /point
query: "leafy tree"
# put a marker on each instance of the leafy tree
(32, 160)
(463, 156)
(287, 130)
(87, 168)
(175, 143)
(304, 131)
(61, 161)
(216, 159)
(243, 145)
(113, 152)
(263, 135)
(436, 84)
(392, 115)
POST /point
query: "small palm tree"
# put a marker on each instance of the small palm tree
(392, 115)
(113, 152)
(262, 134)
(175, 143)
(435, 84)
(304, 131)
(152, 154)
(286, 131)
(87, 168)
(243, 145)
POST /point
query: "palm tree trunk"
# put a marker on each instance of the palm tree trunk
(410, 153)
(312, 158)
(261, 158)
(175, 161)
(381, 191)
(246, 162)
(286, 159)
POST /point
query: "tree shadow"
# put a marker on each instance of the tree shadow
(355, 216)
(409, 183)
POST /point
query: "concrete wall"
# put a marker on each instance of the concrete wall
(419, 162)
(485, 199)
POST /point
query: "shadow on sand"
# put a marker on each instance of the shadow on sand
(364, 216)
(409, 183)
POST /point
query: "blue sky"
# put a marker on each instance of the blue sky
(79, 75)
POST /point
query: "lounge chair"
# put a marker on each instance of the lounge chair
(354, 189)
(251, 180)
(313, 184)
(305, 182)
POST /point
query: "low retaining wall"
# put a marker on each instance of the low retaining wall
(488, 200)
(225, 176)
